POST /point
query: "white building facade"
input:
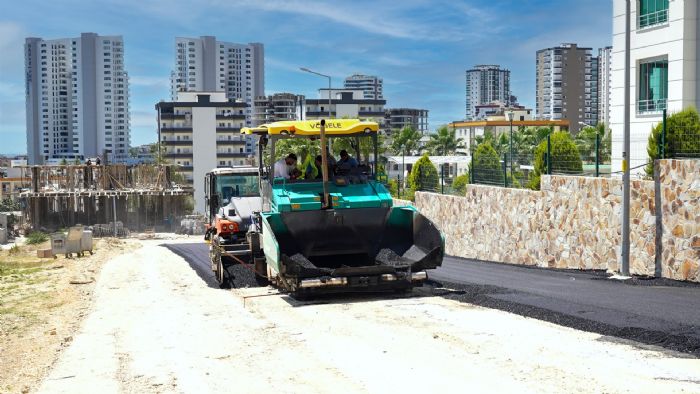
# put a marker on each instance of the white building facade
(200, 131)
(77, 98)
(348, 103)
(371, 85)
(485, 84)
(664, 70)
(206, 65)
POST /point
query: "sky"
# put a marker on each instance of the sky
(420, 48)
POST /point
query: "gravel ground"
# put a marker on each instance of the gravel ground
(157, 327)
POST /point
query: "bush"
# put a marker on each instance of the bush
(14, 250)
(565, 158)
(459, 185)
(487, 165)
(36, 237)
(424, 175)
(682, 137)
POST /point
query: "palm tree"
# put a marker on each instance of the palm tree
(444, 142)
(406, 141)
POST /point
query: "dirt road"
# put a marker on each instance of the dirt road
(157, 327)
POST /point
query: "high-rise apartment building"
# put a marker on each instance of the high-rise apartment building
(485, 84)
(372, 86)
(207, 65)
(277, 107)
(200, 131)
(566, 85)
(604, 87)
(77, 98)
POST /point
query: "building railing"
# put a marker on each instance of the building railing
(653, 18)
(655, 105)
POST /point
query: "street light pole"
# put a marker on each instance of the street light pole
(511, 114)
(625, 249)
(329, 86)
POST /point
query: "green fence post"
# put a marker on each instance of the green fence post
(505, 170)
(597, 154)
(398, 186)
(442, 179)
(471, 172)
(549, 154)
(663, 138)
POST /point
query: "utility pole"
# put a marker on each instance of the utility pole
(625, 249)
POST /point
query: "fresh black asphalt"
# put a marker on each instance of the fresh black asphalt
(651, 311)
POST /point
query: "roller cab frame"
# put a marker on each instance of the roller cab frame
(343, 234)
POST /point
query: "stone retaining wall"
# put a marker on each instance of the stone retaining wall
(573, 222)
(679, 181)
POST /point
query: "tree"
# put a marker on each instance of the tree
(585, 142)
(487, 165)
(406, 141)
(424, 175)
(459, 185)
(682, 137)
(444, 142)
(565, 158)
(364, 151)
(133, 152)
(64, 162)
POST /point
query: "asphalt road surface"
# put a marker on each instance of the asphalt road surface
(653, 311)
(659, 312)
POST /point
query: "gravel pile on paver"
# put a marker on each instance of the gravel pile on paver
(481, 295)
(302, 261)
(241, 276)
(389, 257)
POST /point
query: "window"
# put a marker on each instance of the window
(653, 86)
(652, 12)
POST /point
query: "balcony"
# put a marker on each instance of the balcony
(175, 155)
(370, 114)
(184, 129)
(231, 155)
(651, 106)
(176, 142)
(231, 142)
(653, 18)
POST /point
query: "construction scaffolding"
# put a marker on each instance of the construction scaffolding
(133, 197)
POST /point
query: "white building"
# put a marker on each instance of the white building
(485, 84)
(399, 167)
(201, 131)
(348, 103)
(664, 70)
(207, 65)
(77, 98)
(604, 87)
(372, 86)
